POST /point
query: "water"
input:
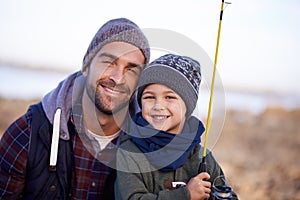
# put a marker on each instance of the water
(19, 83)
(23, 83)
(258, 102)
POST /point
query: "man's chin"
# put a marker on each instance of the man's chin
(105, 111)
(112, 111)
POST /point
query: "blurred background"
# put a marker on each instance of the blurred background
(41, 42)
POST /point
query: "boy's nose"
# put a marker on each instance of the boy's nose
(158, 106)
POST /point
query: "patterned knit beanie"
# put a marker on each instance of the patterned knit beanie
(180, 73)
(122, 30)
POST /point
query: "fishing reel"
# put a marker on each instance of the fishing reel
(220, 189)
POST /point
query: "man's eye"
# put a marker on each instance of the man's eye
(136, 70)
(133, 70)
(106, 61)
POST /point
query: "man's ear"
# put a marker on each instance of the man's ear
(85, 71)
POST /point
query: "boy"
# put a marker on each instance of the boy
(164, 148)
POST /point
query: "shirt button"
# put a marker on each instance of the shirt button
(93, 184)
(52, 188)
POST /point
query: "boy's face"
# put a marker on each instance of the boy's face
(163, 108)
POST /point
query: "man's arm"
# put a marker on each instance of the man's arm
(13, 157)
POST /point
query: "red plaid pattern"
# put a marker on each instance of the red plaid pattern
(13, 157)
(91, 178)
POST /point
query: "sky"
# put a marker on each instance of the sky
(259, 43)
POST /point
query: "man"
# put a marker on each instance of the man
(63, 147)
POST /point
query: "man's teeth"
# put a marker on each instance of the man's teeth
(112, 91)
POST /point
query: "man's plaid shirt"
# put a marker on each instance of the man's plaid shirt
(89, 175)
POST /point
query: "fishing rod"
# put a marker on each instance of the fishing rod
(202, 167)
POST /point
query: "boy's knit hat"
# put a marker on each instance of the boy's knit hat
(180, 73)
(120, 29)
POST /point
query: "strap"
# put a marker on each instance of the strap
(38, 116)
(55, 140)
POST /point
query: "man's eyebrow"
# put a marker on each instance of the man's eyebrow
(107, 55)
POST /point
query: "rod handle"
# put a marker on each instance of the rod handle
(202, 166)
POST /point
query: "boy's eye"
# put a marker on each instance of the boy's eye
(171, 97)
(148, 97)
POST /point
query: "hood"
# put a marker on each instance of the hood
(63, 97)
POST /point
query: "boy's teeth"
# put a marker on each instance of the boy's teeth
(159, 117)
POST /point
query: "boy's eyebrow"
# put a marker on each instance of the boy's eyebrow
(147, 92)
(166, 92)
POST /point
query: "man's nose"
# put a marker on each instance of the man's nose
(117, 74)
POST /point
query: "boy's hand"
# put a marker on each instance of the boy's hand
(199, 186)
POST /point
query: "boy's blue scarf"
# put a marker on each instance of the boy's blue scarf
(164, 150)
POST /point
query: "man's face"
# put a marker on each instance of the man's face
(112, 76)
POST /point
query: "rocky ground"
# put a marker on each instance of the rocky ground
(260, 154)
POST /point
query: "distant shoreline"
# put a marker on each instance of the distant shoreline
(32, 67)
(33, 83)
